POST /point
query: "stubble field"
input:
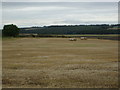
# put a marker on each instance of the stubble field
(59, 63)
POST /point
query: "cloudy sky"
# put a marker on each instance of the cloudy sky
(26, 14)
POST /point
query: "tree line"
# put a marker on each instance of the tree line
(13, 30)
(74, 29)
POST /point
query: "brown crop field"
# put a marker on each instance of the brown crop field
(59, 63)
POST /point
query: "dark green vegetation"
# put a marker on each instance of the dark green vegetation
(10, 30)
(73, 29)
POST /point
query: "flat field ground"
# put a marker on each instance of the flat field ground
(60, 63)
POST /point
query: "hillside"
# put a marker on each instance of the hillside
(73, 29)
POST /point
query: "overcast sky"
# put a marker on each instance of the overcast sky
(59, 13)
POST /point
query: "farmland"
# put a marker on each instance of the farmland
(59, 63)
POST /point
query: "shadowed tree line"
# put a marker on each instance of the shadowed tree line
(13, 30)
(73, 29)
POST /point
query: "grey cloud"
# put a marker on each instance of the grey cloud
(44, 13)
(78, 22)
(82, 5)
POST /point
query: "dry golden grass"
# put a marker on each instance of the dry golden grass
(60, 63)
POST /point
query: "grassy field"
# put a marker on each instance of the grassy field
(60, 63)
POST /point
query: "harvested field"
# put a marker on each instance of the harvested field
(60, 63)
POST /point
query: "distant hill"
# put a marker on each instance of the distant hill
(73, 29)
